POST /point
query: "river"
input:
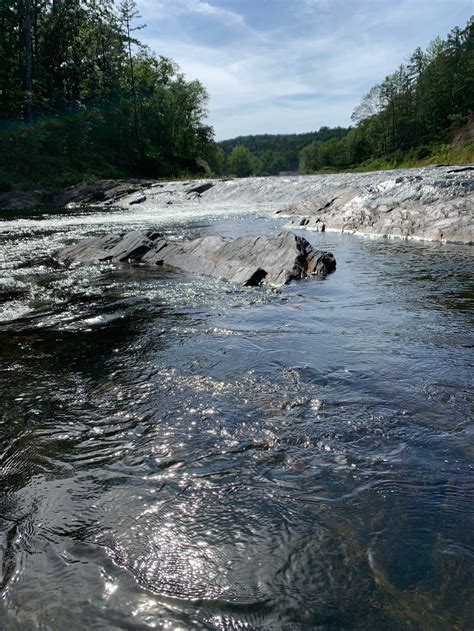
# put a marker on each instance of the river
(181, 453)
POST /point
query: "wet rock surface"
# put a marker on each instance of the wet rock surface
(20, 200)
(199, 190)
(102, 191)
(247, 260)
(433, 203)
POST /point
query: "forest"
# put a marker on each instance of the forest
(82, 98)
(273, 153)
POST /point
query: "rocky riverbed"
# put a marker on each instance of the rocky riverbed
(404, 206)
(434, 203)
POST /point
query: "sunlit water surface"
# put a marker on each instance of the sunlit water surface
(179, 453)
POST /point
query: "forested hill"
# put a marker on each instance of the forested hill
(413, 113)
(282, 143)
(280, 152)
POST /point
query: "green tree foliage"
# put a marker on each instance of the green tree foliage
(81, 97)
(270, 163)
(417, 106)
(216, 159)
(128, 13)
(241, 162)
(279, 152)
(420, 102)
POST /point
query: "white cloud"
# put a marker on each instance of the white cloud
(298, 76)
(262, 77)
(318, 5)
(161, 9)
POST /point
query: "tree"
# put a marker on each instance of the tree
(103, 104)
(128, 13)
(26, 9)
(241, 161)
(311, 158)
(216, 158)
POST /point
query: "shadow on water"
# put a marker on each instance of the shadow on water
(177, 452)
(45, 212)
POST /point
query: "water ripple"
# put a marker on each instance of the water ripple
(180, 453)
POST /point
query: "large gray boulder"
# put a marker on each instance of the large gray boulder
(247, 260)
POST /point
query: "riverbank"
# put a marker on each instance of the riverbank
(428, 206)
(83, 193)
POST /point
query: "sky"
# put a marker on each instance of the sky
(291, 66)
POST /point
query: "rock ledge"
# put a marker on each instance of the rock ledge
(248, 260)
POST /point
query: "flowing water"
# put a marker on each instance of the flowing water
(181, 453)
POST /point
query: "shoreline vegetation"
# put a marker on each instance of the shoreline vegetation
(82, 99)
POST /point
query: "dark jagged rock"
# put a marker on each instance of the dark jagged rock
(125, 247)
(98, 192)
(19, 200)
(199, 190)
(138, 200)
(247, 260)
(462, 169)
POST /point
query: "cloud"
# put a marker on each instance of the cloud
(165, 9)
(318, 5)
(296, 86)
(295, 71)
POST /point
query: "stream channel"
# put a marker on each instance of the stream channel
(181, 453)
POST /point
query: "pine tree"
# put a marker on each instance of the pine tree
(128, 13)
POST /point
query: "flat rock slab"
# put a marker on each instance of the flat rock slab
(247, 260)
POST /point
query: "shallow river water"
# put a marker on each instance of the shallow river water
(181, 453)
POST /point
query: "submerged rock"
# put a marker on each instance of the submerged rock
(137, 200)
(199, 190)
(247, 260)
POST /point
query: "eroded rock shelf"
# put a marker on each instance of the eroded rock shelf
(247, 260)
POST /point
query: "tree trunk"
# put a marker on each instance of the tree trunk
(134, 91)
(27, 32)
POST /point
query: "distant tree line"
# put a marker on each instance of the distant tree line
(402, 118)
(271, 154)
(81, 96)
